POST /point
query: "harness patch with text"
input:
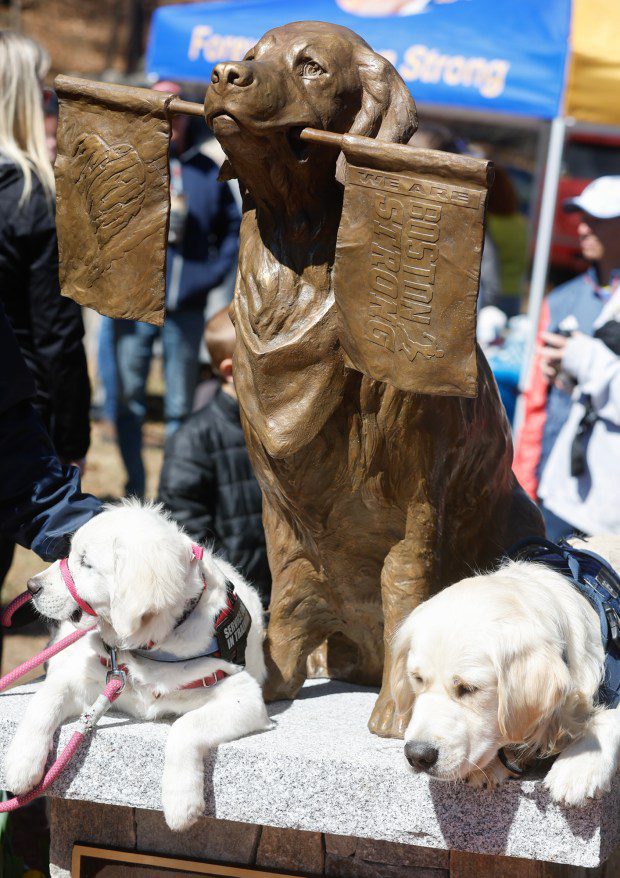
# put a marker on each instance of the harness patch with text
(232, 628)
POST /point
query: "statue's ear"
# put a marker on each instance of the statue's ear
(387, 110)
(226, 172)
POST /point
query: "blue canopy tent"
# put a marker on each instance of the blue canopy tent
(476, 58)
(486, 55)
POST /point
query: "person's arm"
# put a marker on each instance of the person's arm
(596, 369)
(41, 502)
(529, 441)
(187, 484)
(57, 332)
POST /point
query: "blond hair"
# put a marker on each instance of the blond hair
(23, 64)
(220, 337)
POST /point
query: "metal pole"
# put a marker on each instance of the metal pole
(542, 150)
(542, 251)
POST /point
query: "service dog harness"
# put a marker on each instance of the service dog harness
(229, 641)
(231, 629)
(599, 583)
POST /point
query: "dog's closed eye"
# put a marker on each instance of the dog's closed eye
(84, 562)
(462, 689)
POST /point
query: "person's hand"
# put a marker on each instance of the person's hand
(551, 354)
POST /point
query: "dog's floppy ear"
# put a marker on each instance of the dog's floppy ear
(402, 693)
(533, 688)
(388, 111)
(149, 578)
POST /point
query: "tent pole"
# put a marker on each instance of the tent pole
(542, 149)
(542, 250)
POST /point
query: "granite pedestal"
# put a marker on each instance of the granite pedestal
(318, 794)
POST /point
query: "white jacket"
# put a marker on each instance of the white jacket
(590, 502)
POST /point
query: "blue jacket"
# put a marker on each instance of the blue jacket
(41, 502)
(208, 248)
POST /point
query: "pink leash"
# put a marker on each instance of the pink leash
(41, 657)
(115, 683)
(89, 719)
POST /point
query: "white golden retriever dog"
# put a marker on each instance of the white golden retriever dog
(137, 570)
(511, 659)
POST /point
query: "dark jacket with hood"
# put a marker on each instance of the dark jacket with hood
(208, 485)
(41, 502)
(48, 326)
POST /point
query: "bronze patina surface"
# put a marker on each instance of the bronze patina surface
(375, 494)
(411, 237)
(112, 190)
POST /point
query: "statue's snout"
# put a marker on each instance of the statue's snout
(232, 73)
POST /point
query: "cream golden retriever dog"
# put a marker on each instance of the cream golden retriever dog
(511, 659)
(156, 603)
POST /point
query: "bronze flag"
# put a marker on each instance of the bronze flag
(112, 189)
(408, 264)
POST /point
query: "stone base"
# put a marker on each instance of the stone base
(318, 770)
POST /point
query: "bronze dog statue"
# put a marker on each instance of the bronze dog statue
(374, 498)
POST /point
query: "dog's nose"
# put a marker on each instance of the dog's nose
(237, 73)
(33, 587)
(421, 755)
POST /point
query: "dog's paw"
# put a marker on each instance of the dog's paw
(576, 777)
(24, 767)
(182, 810)
(493, 775)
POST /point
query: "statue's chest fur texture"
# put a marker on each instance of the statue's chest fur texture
(337, 452)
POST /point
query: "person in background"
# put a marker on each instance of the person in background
(202, 248)
(50, 119)
(574, 306)
(508, 230)
(48, 327)
(580, 484)
(433, 136)
(207, 483)
(41, 502)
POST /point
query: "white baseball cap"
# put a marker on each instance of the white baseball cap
(600, 199)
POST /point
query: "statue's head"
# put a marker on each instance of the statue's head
(305, 74)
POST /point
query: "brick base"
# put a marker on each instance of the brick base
(285, 850)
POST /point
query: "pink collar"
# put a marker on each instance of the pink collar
(197, 551)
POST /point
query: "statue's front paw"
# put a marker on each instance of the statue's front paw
(385, 721)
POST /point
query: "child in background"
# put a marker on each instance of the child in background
(207, 483)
